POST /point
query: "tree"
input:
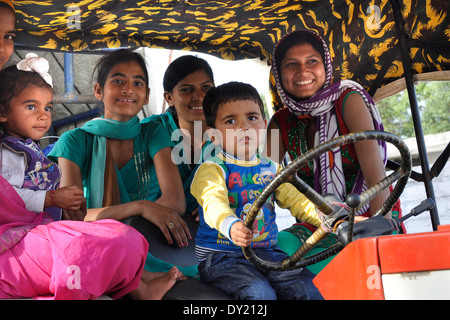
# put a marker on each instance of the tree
(434, 107)
(436, 113)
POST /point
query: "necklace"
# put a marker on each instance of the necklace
(142, 165)
(297, 139)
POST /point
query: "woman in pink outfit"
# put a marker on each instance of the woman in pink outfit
(69, 260)
(40, 256)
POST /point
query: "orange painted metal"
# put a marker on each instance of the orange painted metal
(355, 273)
(415, 252)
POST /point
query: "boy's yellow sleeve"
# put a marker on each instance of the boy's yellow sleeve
(288, 197)
(210, 190)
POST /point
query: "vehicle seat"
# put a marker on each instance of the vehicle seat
(190, 289)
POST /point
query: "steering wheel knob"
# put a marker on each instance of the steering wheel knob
(353, 200)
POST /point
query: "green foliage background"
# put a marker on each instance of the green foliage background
(434, 107)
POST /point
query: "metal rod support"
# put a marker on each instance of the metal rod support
(423, 156)
(69, 85)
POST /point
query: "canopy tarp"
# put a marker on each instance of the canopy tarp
(362, 34)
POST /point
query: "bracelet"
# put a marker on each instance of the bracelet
(52, 196)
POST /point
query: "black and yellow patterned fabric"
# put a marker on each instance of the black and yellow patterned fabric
(362, 34)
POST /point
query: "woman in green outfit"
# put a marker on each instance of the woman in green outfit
(186, 81)
(124, 166)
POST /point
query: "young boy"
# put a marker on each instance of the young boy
(225, 187)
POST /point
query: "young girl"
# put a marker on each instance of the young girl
(25, 116)
(317, 111)
(38, 255)
(124, 167)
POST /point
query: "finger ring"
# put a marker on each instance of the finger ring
(170, 226)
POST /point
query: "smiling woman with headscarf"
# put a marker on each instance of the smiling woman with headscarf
(315, 114)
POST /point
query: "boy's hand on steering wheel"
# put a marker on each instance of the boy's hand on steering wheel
(240, 234)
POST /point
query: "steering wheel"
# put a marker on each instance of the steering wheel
(289, 174)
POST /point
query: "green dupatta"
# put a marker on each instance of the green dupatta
(102, 129)
(106, 128)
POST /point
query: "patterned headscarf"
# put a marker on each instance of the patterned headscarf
(320, 105)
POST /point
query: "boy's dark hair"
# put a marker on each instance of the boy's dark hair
(228, 92)
(13, 82)
(108, 61)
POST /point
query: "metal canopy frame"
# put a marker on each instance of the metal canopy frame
(423, 156)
